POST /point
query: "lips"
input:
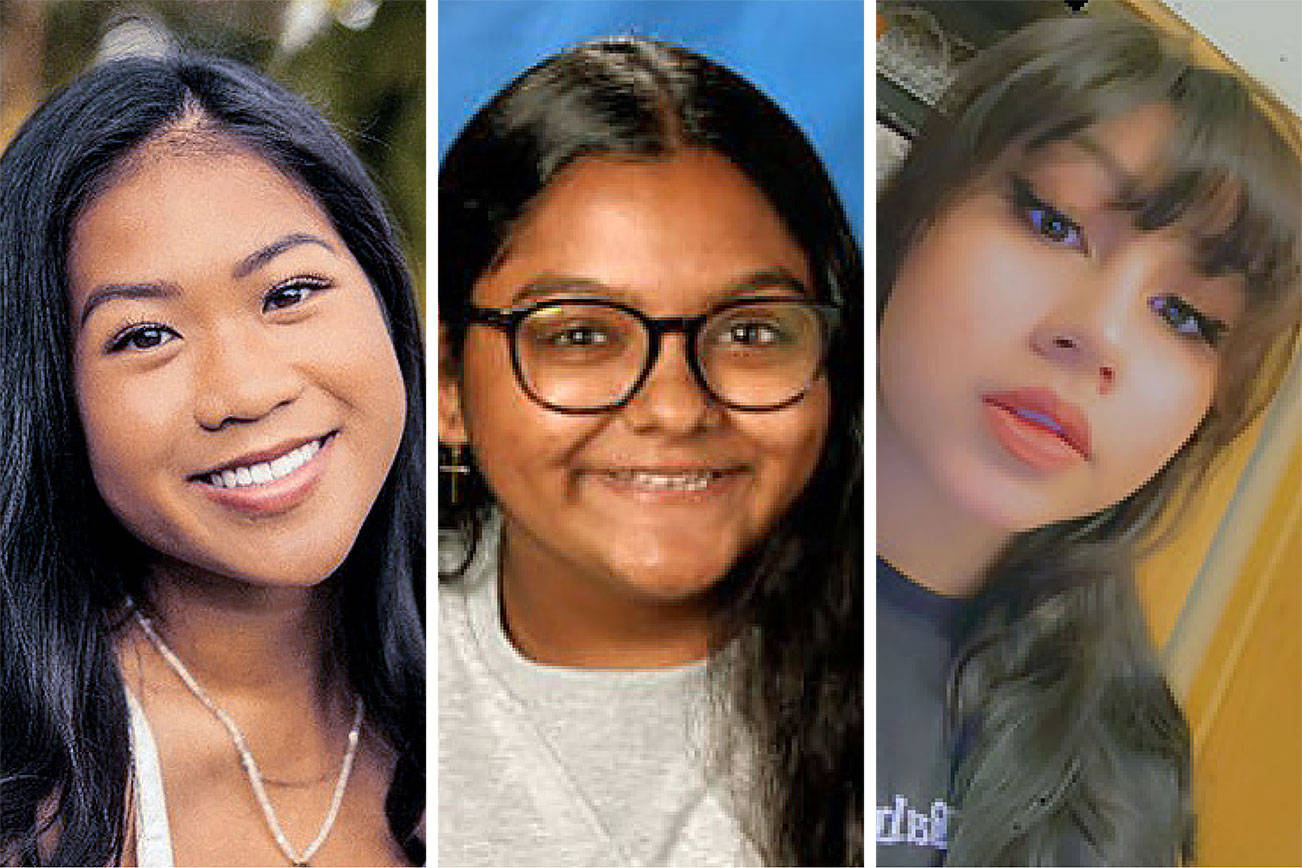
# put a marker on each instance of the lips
(270, 481)
(1042, 410)
(250, 460)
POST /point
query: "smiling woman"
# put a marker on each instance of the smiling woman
(212, 552)
(650, 396)
(234, 342)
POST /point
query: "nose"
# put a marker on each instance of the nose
(671, 400)
(242, 376)
(1089, 325)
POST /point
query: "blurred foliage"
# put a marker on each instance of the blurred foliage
(360, 62)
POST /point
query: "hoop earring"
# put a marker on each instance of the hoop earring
(454, 471)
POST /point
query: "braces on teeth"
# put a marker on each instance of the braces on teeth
(266, 471)
(668, 481)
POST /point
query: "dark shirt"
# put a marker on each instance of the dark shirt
(918, 632)
(916, 637)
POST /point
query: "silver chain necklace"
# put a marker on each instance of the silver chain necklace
(251, 767)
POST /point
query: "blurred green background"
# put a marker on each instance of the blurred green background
(360, 62)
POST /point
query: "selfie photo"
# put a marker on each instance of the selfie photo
(1087, 303)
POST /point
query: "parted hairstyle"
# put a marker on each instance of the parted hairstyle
(68, 564)
(1062, 723)
(790, 612)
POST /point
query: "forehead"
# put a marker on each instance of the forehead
(690, 221)
(1120, 154)
(169, 210)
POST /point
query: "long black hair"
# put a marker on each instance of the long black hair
(790, 613)
(68, 564)
(1064, 723)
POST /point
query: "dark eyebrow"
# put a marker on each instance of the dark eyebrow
(552, 285)
(1122, 179)
(773, 277)
(110, 291)
(259, 258)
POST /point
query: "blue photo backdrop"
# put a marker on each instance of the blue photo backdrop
(807, 55)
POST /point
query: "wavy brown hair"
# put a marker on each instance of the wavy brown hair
(1063, 727)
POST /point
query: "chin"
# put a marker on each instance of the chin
(1007, 504)
(669, 580)
(270, 569)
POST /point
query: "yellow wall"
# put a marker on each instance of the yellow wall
(1244, 691)
(1245, 704)
(1241, 685)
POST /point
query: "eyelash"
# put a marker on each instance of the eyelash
(1186, 320)
(119, 341)
(311, 283)
(1029, 205)
(122, 340)
(1183, 318)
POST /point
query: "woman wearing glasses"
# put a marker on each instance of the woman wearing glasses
(649, 425)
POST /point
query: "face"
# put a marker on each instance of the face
(1040, 358)
(607, 495)
(240, 394)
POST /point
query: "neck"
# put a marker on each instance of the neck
(239, 640)
(558, 616)
(923, 533)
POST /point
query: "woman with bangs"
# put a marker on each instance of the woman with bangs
(1085, 263)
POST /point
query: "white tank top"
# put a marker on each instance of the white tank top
(153, 840)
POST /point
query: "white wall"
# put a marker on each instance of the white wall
(1264, 37)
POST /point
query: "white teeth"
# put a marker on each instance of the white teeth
(696, 481)
(266, 471)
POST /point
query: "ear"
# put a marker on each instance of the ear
(452, 423)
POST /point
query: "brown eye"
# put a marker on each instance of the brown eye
(142, 337)
(292, 293)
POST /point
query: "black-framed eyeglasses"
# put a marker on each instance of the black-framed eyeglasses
(588, 355)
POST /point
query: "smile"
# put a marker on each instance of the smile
(266, 471)
(269, 482)
(688, 481)
(671, 485)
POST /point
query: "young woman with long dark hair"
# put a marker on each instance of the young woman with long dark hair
(1087, 280)
(650, 430)
(213, 487)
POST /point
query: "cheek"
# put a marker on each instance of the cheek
(789, 441)
(1170, 396)
(128, 419)
(512, 437)
(376, 375)
(366, 378)
(130, 424)
(959, 294)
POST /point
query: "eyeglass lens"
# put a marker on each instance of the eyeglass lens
(590, 356)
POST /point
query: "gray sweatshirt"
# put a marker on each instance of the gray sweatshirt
(541, 765)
